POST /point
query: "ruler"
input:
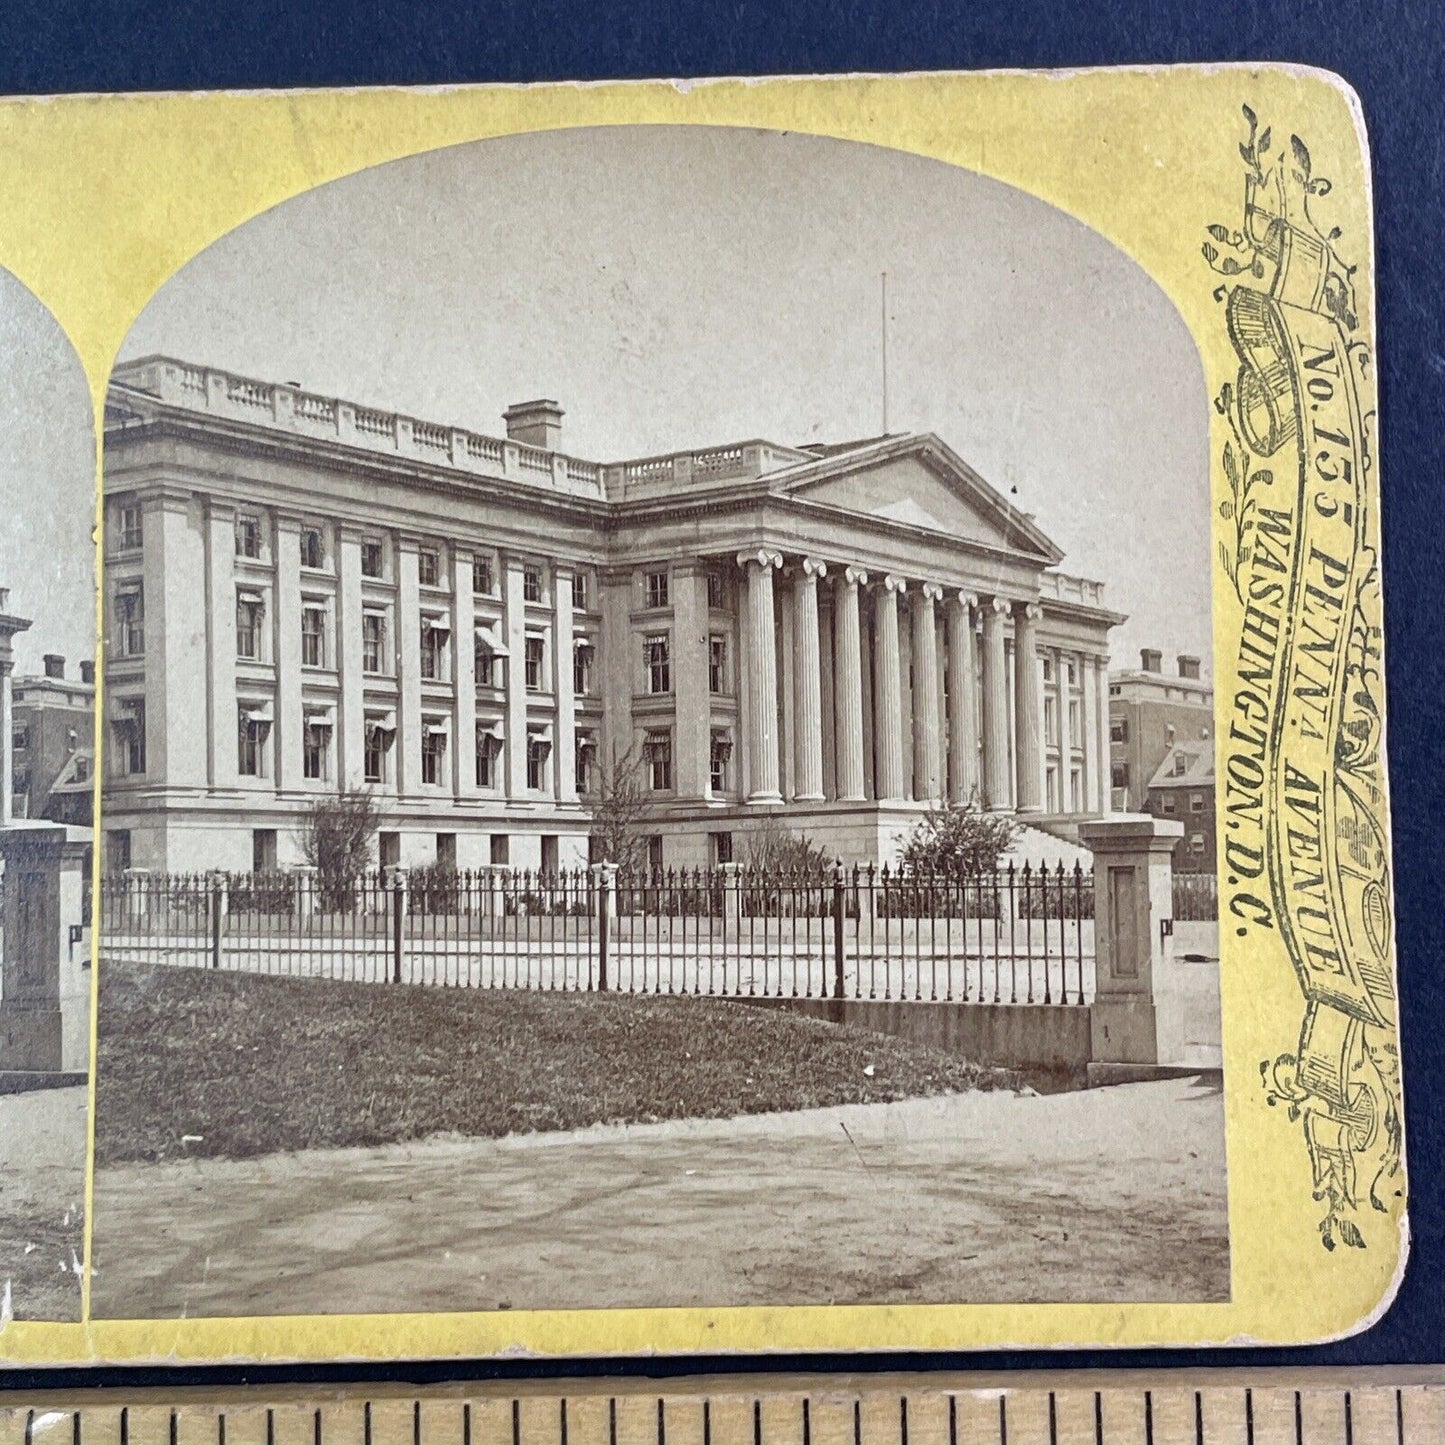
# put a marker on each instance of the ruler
(1232, 1407)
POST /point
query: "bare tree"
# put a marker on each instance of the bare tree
(620, 806)
(336, 834)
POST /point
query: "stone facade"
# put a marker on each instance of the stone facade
(1149, 712)
(302, 593)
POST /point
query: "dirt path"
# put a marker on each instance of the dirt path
(1114, 1194)
(42, 1201)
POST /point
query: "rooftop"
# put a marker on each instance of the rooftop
(1186, 765)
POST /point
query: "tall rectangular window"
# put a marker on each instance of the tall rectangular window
(378, 739)
(488, 749)
(249, 613)
(248, 535)
(719, 756)
(251, 739)
(531, 584)
(1118, 730)
(538, 751)
(582, 668)
(657, 758)
(655, 589)
(313, 637)
(433, 650)
(716, 592)
(1076, 721)
(717, 656)
(485, 665)
(581, 591)
(585, 748)
(130, 737)
(483, 582)
(433, 753)
(373, 642)
(316, 749)
(130, 620)
(657, 662)
(313, 547)
(372, 560)
(428, 567)
(131, 527)
(536, 653)
(1051, 720)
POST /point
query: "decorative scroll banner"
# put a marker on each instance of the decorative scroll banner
(1305, 848)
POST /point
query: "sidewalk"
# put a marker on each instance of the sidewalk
(1112, 1194)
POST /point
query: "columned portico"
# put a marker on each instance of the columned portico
(927, 759)
(1027, 709)
(807, 685)
(962, 704)
(762, 664)
(997, 796)
(848, 682)
(888, 693)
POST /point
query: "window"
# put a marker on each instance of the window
(117, 849)
(1118, 730)
(130, 527)
(130, 738)
(428, 567)
(717, 600)
(585, 749)
(433, 649)
(1048, 669)
(655, 588)
(1196, 802)
(313, 547)
(657, 663)
(719, 755)
(500, 850)
(654, 852)
(722, 848)
(313, 637)
(531, 584)
(378, 745)
(253, 726)
(657, 757)
(248, 536)
(1168, 803)
(717, 656)
(263, 850)
(551, 854)
(433, 753)
(20, 737)
(582, 667)
(535, 654)
(581, 591)
(1051, 720)
(1196, 842)
(446, 850)
(488, 748)
(130, 620)
(373, 641)
(485, 664)
(316, 748)
(249, 611)
(1076, 723)
(1181, 764)
(483, 581)
(1119, 776)
(372, 562)
(539, 749)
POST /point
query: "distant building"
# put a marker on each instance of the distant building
(10, 624)
(52, 735)
(1149, 713)
(1182, 788)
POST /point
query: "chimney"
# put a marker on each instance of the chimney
(54, 665)
(87, 672)
(535, 424)
(1151, 659)
(1188, 666)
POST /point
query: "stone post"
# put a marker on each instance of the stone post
(889, 784)
(137, 893)
(1028, 710)
(1133, 940)
(807, 685)
(848, 685)
(732, 901)
(31, 1028)
(996, 793)
(305, 876)
(927, 760)
(762, 666)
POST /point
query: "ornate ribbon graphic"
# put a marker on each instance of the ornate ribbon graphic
(1305, 845)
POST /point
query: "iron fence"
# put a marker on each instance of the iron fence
(1016, 935)
(1196, 896)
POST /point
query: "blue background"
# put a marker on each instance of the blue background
(1391, 53)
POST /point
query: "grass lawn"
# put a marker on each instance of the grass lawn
(194, 1064)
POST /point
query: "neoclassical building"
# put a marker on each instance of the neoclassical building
(304, 594)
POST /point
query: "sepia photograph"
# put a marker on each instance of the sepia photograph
(47, 783)
(658, 748)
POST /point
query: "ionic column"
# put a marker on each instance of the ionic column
(848, 684)
(1089, 712)
(889, 694)
(1106, 752)
(7, 744)
(807, 686)
(1066, 740)
(927, 760)
(996, 794)
(1028, 709)
(762, 667)
(962, 707)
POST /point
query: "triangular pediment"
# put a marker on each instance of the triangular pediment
(917, 482)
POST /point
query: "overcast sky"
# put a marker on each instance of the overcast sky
(675, 287)
(47, 484)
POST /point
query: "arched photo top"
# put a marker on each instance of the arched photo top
(675, 287)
